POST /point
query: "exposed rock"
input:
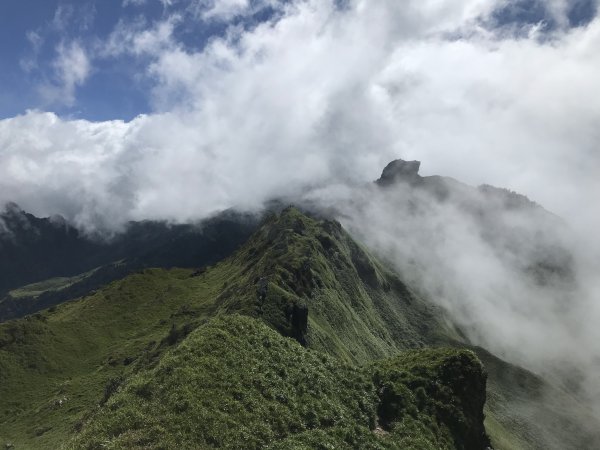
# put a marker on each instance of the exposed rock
(449, 384)
(262, 288)
(298, 320)
(198, 272)
(400, 170)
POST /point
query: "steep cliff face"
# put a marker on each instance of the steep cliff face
(446, 385)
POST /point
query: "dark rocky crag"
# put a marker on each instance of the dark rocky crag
(400, 171)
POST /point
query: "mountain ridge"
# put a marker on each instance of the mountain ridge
(300, 273)
(128, 327)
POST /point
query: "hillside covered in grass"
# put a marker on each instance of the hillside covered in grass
(183, 343)
(235, 383)
(46, 261)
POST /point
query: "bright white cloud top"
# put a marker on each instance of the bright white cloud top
(317, 93)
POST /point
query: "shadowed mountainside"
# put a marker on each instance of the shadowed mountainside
(34, 250)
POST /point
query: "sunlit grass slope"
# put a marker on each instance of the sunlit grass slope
(235, 383)
(52, 284)
(54, 365)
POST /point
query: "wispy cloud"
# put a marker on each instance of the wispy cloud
(71, 68)
(226, 10)
(30, 62)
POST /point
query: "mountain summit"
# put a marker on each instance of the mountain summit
(399, 170)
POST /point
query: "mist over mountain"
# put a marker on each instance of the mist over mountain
(512, 274)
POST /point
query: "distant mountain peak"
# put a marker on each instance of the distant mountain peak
(11, 208)
(399, 170)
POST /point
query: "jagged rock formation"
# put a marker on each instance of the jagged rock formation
(399, 171)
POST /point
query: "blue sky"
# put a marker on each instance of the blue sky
(36, 34)
(32, 31)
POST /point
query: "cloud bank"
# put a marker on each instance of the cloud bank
(317, 94)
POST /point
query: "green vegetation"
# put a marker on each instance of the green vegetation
(234, 383)
(286, 396)
(172, 358)
(52, 284)
(54, 365)
(429, 388)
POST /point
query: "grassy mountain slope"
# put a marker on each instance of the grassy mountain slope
(33, 250)
(289, 397)
(525, 411)
(303, 277)
(54, 365)
(357, 309)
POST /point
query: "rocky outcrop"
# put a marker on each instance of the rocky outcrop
(400, 171)
(286, 312)
(448, 385)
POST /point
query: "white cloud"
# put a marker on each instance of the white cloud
(61, 163)
(71, 68)
(325, 86)
(138, 40)
(35, 39)
(62, 16)
(134, 2)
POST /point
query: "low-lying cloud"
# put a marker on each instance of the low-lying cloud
(517, 280)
